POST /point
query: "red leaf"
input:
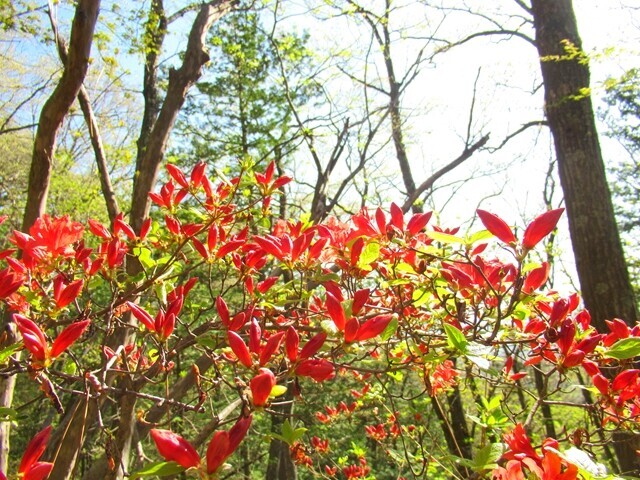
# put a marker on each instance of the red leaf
(625, 379)
(217, 451)
(98, 229)
(38, 471)
(167, 325)
(197, 173)
(318, 369)
(313, 346)
(144, 229)
(270, 246)
(335, 311)
(223, 311)
(360, 298)
(381, 221)
(33, 338)
(272, 345)
(536, 278)
(177, 175)
(261, 386)
(119, 225)
(266, 284)
(142, 316)
(239, 348)
(69, 294)
(589, 344)
(373, 327)
(291, 344)
(601, 383)
(255, 334)
(174, 448)
(497, 226)
(397, 217)
(300, 245)
(351, 330)
(10, 281)
(173, 225)
(200, 248)
(541, 226)
(356, 251)
(316, 249)
(573, 359)
(281, 181)
(238, 432)
(67, 337)
(229, 247)
(35, 449)
(417, 222)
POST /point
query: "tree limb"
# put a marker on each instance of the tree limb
(56, 108)
(428, 183)
(180, 81)
(92, 125)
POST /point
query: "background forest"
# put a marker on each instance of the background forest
(308, 116)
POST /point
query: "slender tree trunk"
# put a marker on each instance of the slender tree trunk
(56, 108)
(600, 262)
(180, 81)
(53, 113)
(547, 417)
(92, 125)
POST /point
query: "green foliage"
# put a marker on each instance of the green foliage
(243, 107)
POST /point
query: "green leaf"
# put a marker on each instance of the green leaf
(158, 469)
(445, 237)
(7, 414)
(478, 237)
(388, 332)
(624, 349)
(486, 458)
(287, 431)
(5, 353)
(455, 338)
(144, 256)
(70, 367)
(420, 296)
(289, 434)
(278, 390)
(370, 253)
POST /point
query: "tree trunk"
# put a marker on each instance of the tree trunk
(600, 262)
(180, 81)
(56, 108)
(53, 113)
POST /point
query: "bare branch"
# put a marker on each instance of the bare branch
(92, 125)
(535, 123)
(428, 183)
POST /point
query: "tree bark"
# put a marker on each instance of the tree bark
(180, 81)
(56, 108)
(53, 113)
(600, 262)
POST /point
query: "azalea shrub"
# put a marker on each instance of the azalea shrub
(409, 350)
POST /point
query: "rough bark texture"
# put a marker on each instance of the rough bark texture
(602, 270)
(57, 106)
(180, 81)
